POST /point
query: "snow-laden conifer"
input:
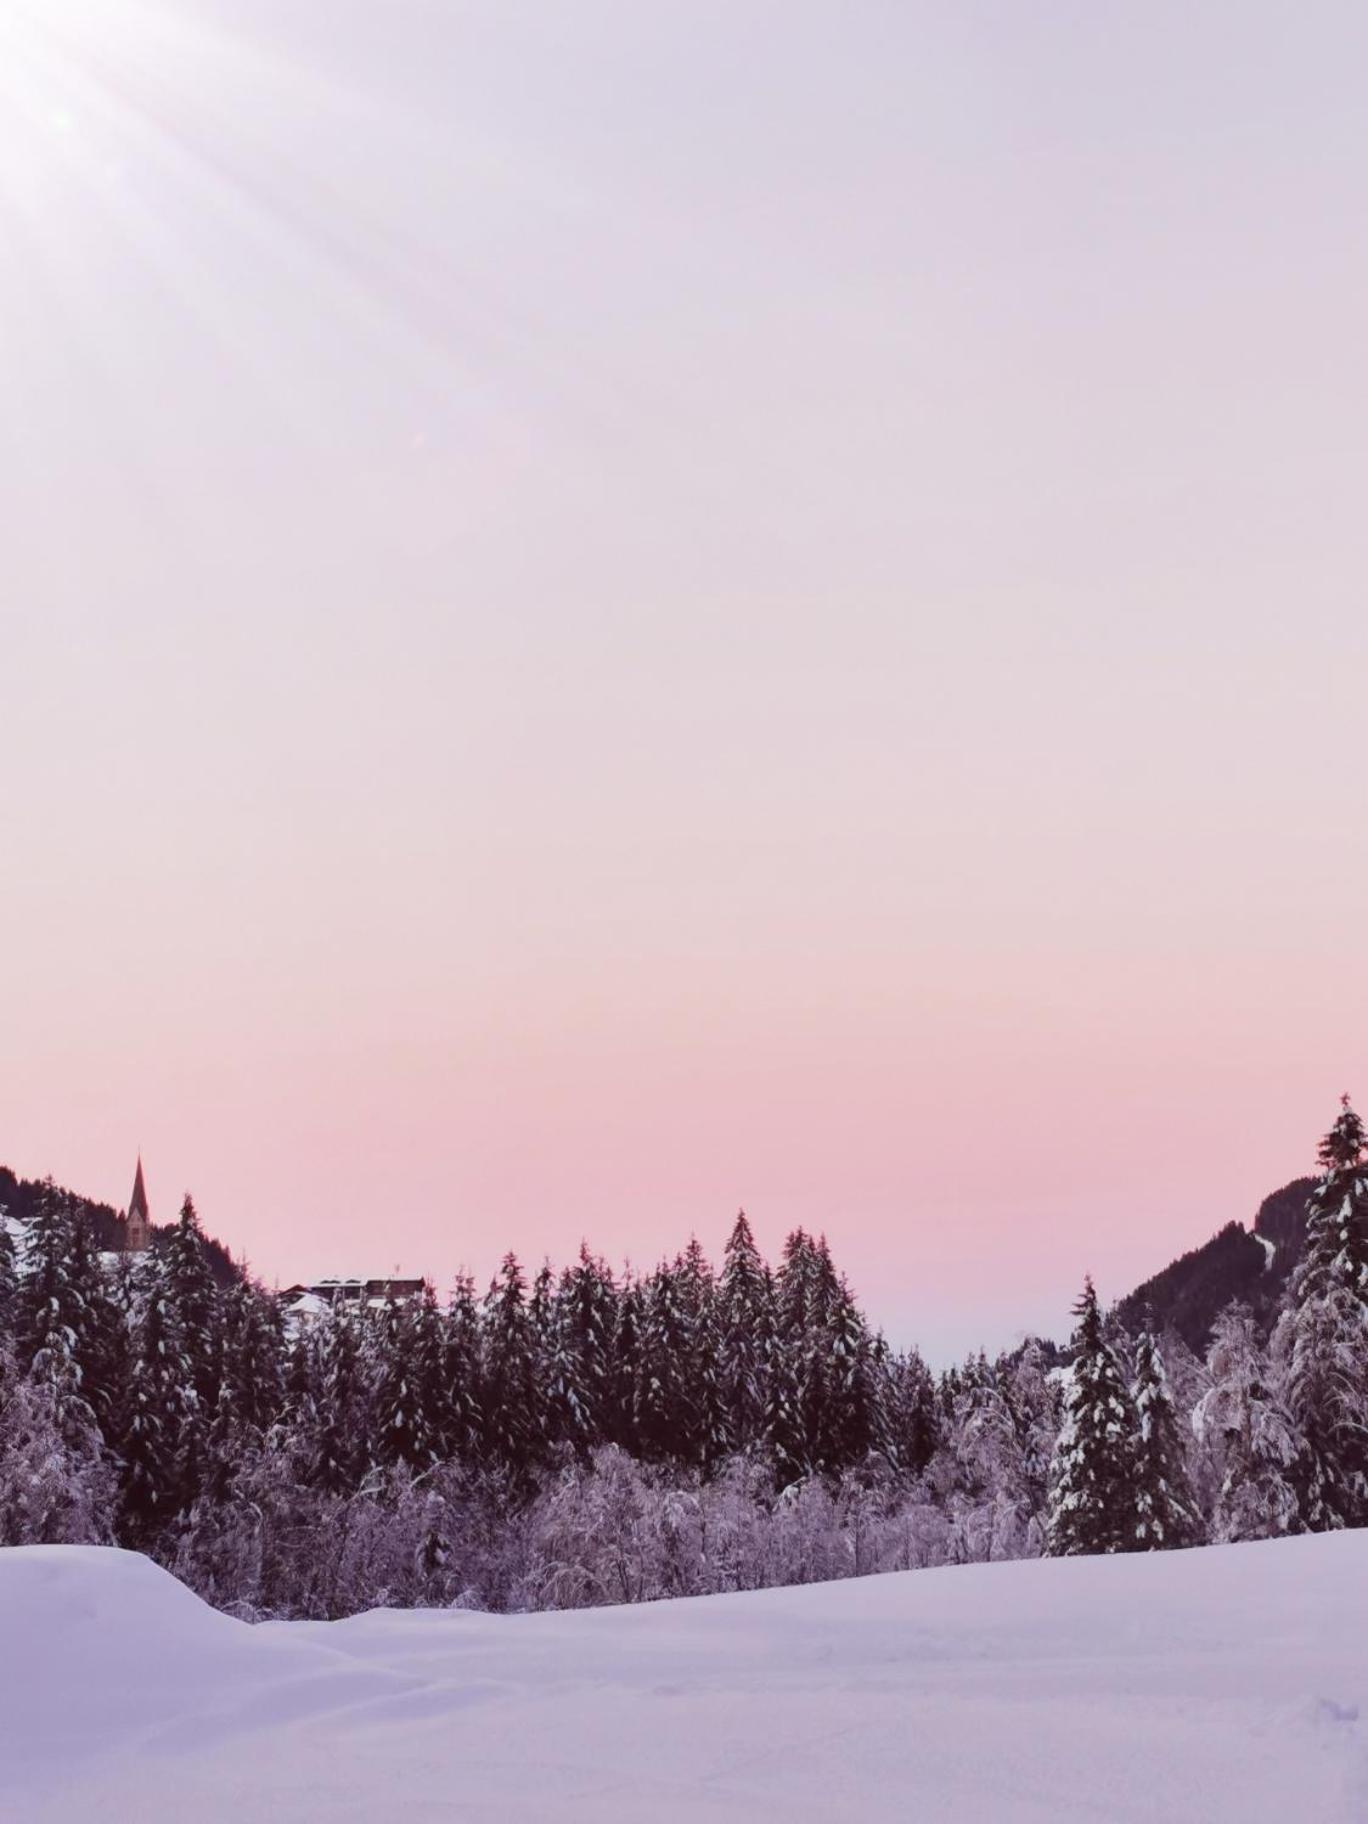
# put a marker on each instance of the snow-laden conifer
(1247, 1436)
(1165, 1511)
(1092, 1495)
(1321, 1342)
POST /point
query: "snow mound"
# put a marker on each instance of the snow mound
(1223, 1684)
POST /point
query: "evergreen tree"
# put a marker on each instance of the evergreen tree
(253, 1356)
(581, 1373)
(1092, 1496)
(55, 1475)
(666, 1412)
(1321, 1342)
(194, 1301)
(9, 1282)
(409, 1398)
(914, 1414)
(845, 1426)
(625, 1371)
(335, 1414)
(745, 1315)
(1165, 1508)
(1243, 1427)
(510, 1398)
(159, 1448)
(461, 1373)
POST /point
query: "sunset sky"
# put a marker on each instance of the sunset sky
(614, 610)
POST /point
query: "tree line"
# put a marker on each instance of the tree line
(589, 1436)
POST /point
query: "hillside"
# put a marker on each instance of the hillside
(19, 1200)
(1181, 1688)
(1250, 1264)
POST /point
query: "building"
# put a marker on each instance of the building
(367, 1293)
(137, 1224)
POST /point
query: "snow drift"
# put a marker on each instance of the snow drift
(1229, 1683)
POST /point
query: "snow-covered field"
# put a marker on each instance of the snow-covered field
(1224, 1684)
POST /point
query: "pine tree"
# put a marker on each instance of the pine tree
(50, 1303)
(510, 1402)
(159, 1445)
(335, 1415)
(409, 1391)
(1166, 1511)
(194, 1301)
(9, 1282)
(666, 1411)
(704, 1439)
(914, 1416)
(745, 1315)
(625, 1372)
(1321, 1342)
(55, 1475)
(581, 1372)
(1092, 1497)
(845, 1430)
(461, 1373)
(253, 1356)
(1241, 1424)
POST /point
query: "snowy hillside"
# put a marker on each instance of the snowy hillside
(1223, 1684)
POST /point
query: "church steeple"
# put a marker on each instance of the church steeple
(138, 1222)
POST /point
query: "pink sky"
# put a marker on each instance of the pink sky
(608, 612)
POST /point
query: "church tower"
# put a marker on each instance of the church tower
(137, 1223)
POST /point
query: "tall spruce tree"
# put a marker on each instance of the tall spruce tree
(194, 1300)
(1321, 1342)
(9, 1282)
(160, 1448)
(510, 1400)
(461, 1372)
(745, 1317)
(334, 1417)
(1247, 1435)
(1166, 1512)
(1092, 1495)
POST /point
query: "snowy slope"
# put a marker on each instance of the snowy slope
(1225, 1684)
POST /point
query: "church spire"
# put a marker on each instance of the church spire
(138, 1222)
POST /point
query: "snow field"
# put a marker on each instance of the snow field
(1229, 1683)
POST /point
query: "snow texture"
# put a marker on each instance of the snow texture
(1224, 1684)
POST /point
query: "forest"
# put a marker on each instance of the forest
(583, 1438)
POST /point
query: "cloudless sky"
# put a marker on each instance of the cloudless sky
(610, 611)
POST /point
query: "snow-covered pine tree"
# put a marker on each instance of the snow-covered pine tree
(913, 1412)
(1246, 1435)
(411, 1419)
(666, 1412)
(592, 1313)
(510, 1401)
(335, 1415)
(847, 1421)
(1321, 1341)
(9, 1282)
(56, 1479)
(62, 1310)
(50, 1301)
(194, 1302)
(461, 1372)
(101, 1346)
(159, 1447)
(706, 1439)
(253, 1355)
(1033, 1400)
(745, 1316)
(1166, 1512)
(626, 1366)
(1092, 1496)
